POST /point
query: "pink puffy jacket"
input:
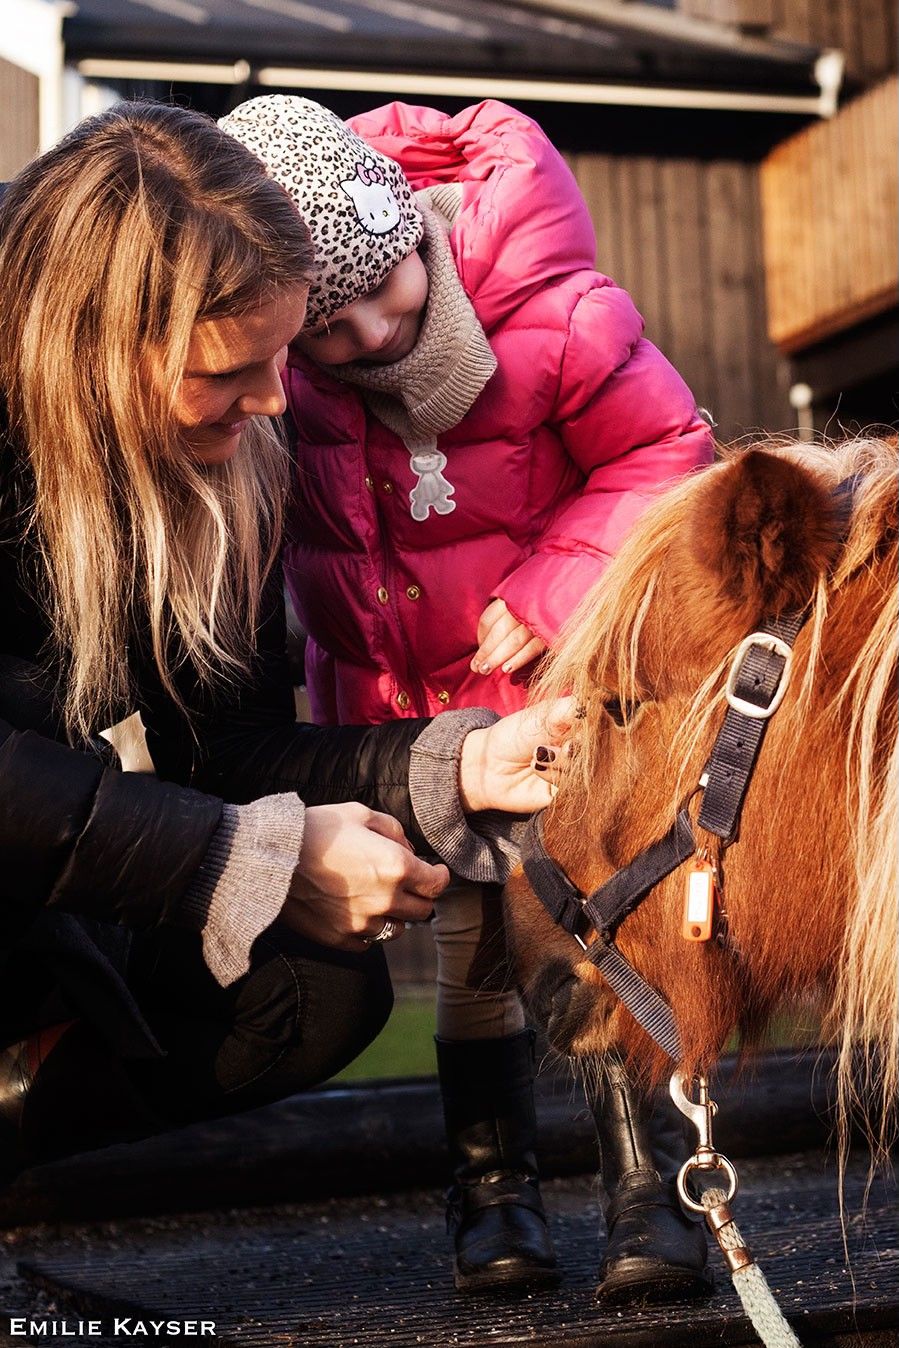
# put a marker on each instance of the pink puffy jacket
(580, 424)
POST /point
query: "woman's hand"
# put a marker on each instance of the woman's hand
(497, 769)
(355, 871)
(504, 641)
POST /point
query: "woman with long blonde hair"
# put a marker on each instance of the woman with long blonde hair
(165, 955)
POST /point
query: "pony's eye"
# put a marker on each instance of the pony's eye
(620, 712)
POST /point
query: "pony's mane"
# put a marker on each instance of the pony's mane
(602, 642)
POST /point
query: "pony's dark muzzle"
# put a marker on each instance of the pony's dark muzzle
(567, 1008)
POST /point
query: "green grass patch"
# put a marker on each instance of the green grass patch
(798, 1029)
(404, 1048)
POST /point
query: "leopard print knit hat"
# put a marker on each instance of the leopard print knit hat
(357, 202)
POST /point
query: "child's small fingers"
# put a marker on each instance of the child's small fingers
(481, 662)
(530, 651)
(495, 647)
(506, 649)
(494, 610)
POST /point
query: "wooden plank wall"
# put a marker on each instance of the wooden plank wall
(831, 221)
(684, 237)
(19, 101)
(865, 30)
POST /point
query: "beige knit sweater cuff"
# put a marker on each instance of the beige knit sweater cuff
(242, 884)
(481, 847)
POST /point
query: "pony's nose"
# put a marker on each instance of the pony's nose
(575, 1013)
(549, 994)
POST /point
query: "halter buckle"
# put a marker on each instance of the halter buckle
(768, 642)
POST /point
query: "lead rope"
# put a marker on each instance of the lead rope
(749, 1281)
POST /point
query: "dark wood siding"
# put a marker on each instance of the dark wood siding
(865, 30)
(684, 237)
(19, 92)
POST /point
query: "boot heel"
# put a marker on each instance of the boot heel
(655, 1253)
(494, 1209)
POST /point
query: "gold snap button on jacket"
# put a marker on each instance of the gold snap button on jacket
(402, 700)
(443, 697)
(370, 483)
(383, 596)
(387, 487)
(413, 592)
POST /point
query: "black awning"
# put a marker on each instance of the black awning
(447, 37)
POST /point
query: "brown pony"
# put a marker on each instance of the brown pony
(809, 886)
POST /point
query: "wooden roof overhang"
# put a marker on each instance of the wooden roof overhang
(519, 49)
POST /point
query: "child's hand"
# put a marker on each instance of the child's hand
(503, 640)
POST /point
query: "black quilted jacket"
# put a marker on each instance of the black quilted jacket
(77, 836)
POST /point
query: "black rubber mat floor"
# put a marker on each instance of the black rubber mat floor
(374, 1272)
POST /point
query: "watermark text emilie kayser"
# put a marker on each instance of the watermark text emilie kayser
(32, 1328)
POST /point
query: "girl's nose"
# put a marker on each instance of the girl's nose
(371, 328)
(265, 397)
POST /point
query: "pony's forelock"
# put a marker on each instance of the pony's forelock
(598, 650)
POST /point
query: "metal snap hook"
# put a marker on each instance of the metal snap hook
(700, 1113)
(715, 1162)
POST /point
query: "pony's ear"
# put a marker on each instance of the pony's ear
(766, 529)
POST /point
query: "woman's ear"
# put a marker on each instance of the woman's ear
(765, 528)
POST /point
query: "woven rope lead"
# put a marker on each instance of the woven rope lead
(750, 1284)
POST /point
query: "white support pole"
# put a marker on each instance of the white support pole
(801, 400)
(31, 38)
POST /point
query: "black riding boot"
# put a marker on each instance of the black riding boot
(494, 1210)
(63, 1091)
(654, 1251)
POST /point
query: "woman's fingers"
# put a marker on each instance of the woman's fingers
(388, 827)
(559, 716)
(497, 766)
(549, 761)
(423, 881)
(356, 870)
(412, 873)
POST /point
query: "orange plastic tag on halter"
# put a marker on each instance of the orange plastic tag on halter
(699, 906)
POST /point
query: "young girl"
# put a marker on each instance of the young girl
(478, 421)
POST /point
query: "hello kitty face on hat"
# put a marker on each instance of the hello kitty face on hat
(376, 207)
(356, 201)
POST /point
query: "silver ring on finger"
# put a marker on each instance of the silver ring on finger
(387, 932)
